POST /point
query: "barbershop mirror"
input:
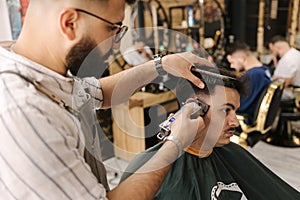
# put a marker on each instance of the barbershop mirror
(213, 24)
(148, 14)
(204, 21)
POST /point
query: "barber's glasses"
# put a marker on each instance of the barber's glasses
(121, 29)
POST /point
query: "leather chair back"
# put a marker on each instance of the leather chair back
(266, 114)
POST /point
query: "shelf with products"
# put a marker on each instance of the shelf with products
(204, 23)
(185, 19)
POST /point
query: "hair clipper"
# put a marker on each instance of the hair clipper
(200, 109)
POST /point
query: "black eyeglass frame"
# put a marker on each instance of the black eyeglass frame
(122, 28)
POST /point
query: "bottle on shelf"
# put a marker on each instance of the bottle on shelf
(190, 16)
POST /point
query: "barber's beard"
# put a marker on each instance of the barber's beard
(78, 53)
(87, 59)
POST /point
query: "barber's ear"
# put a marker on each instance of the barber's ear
(68, 21)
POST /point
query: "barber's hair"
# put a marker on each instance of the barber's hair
(238, 46)
(278, 38)
(211, 77)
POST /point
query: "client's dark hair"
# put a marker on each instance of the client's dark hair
(211, 76)
(130, 2)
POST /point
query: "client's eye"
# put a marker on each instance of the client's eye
(226, 110)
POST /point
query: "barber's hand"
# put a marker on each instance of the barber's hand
(275, 59)
(180, 65)
(184, 128)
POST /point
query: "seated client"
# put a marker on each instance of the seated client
(212, 167)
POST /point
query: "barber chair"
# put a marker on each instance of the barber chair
(285, 135)
(265, 116)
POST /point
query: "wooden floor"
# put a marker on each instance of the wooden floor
(285, 162)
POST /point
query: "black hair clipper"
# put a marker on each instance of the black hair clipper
(200, 109)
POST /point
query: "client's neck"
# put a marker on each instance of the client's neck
(198, 149)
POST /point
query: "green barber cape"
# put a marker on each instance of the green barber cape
(230, 173)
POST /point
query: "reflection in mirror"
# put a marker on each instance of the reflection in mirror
(213, 27)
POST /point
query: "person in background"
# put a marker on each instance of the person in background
(258, 75)
(275, 58)
(288, 67)
(49, 142)
(212, 167)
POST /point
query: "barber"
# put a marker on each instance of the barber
(48, 149)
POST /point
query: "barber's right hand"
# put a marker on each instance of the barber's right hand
(180, 65)
(184, 128)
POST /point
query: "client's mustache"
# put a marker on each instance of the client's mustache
(232, 129)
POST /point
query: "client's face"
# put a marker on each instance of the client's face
(220, 120)
(229, 107)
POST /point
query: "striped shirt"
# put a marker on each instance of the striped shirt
(41, 144)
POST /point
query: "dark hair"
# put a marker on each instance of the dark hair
(278, 38)
(211, 76)
(238, 46)
(130, 2)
